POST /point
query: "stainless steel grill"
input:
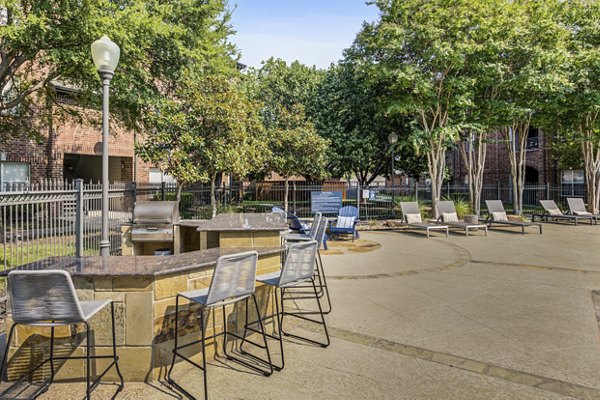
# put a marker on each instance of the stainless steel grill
(153, 221)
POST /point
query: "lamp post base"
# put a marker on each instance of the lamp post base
(104, 248)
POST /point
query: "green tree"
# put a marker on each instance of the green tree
(533, 77)
(211, 127)
(580, 108)
(347, 111)
(285, 92)
(418, 51)
(43, 41)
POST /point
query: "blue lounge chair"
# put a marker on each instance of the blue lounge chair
(293, 221)
(346, 222)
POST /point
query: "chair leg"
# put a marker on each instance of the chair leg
(279, 321)
(114, 346)
(264, 336)
(6, 350)
(51, 355)
(176, 340)
(302, 316)
(244, 340)
(203, 344)
(324, 281)
(88, 362)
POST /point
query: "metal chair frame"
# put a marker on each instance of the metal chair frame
(90, 386)
(280, 314)
(204, 312)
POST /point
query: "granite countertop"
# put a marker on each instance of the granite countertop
(242, 222)
(140, 265)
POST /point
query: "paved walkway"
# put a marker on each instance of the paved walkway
(502, 317)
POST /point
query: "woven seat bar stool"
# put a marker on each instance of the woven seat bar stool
(48, 299)
(321, 234)
(298, 269)
(234, 280)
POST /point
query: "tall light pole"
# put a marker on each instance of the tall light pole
(393, 139)
(106, 57)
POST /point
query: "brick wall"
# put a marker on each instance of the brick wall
(46, 156)
(497, 166)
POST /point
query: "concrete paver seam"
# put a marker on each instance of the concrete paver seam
(482, 368)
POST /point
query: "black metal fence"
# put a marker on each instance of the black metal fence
(64, 218)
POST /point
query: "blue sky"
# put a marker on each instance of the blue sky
(311, 31)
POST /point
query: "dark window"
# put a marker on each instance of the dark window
(533, 138)
(66, 96)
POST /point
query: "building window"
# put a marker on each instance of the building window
(157, 176)
(66, 96)
(533, 137)
(13, 175)
(572, 182)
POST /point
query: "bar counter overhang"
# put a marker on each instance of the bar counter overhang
(143, 289)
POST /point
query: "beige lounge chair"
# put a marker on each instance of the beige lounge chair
(410, 211)
(448, 216)
(552, 212)
(577, 207)
(497, 217)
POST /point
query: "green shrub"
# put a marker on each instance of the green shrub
(462, 205)
(424, 209)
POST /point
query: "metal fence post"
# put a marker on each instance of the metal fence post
(358, 198)
(79, 217)
(448, 188)
(416, 191)
(499, 191)
(547, 190)
(163, 189)
(294, 197)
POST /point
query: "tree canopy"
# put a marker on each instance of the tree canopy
(43, 42)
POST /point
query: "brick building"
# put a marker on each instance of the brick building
(70, 150)
(541, 167)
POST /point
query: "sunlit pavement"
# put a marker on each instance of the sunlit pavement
(507, 316)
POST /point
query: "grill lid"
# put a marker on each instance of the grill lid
(156, 212)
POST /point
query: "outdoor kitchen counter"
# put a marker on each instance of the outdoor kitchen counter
(232, 230)
(143, 289)
(142, 266)
(229, 222)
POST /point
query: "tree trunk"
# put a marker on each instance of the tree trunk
(286, 193)
(436, 164)
(591, 158)
(213, 198)
(179, 189)
(515, 138)
(473, 151)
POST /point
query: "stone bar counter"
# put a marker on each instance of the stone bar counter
(224, 230)
(143, 289)
(232, 230)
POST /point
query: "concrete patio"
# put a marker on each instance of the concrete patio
(502, 317)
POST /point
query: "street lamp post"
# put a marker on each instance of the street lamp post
(393, 139)
(106, 57)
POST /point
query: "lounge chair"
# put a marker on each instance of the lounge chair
(497, 217)
(577, 207)
(293, 221)
(552, 212)
(448, 216)
(346, 222)
(411, 217)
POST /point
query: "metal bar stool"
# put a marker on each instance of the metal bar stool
(48, 299)
(299, 268)
(320, 235)
(233, 281)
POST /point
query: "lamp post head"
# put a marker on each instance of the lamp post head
(105, 54)
(392, 138)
